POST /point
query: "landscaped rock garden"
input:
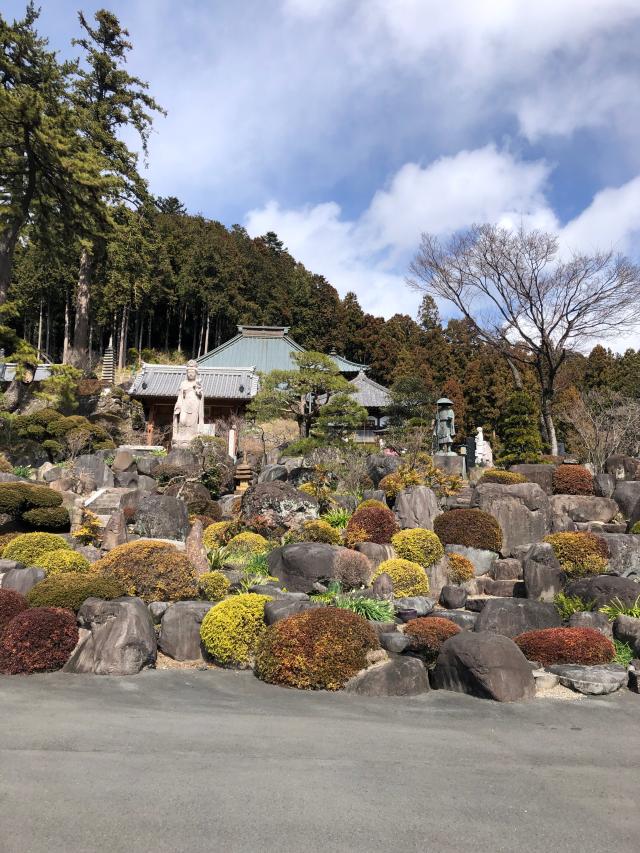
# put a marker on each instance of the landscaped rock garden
(127, 554)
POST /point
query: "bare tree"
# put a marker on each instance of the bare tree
(601, 424)
(528, 302)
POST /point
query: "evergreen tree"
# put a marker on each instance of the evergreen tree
(339, 418)
(519, 430)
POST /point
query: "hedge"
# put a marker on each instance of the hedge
(71, 590)
(503, 478)
(580, 554)
(154, 571)
(566, 645)
(473, 528)
(371, 524)
(61, 561)
(27, 547)
(213, 586)
(38, 640)
(419, 546)
(231, 629)
(427, 634)
(572, 480)
(352, 568)
(408, 578)
(47, 518)
(11, 603)
(460, 569)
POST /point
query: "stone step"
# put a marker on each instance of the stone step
(505, 588)
(105, 501)
(506, 570)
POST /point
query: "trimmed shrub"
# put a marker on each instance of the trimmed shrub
(503, 478)
(5, 466)
(572, 480)
(213, 586)
(635, 528)
(394, 483)
(471, 527)
(154, 571)
(218, 534)
(11, 603)
(427, 634)
(408, 578)
(71, 590)
(15, 498)
(460, 569)
(319, 649)
(38, 640)
(61, 561)
(246, 545)
(580, 554)
(319, 531)
(371, 524)
(231, 629)
(419, 546)
(566, 645)
(48, 518)
(352, 568)
(27, 547)
(5, 538)
(371, 502)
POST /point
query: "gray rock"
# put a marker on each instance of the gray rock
(602, 589)
(438, 575)
(545, 680)
(484, 665)
(416, 506)
(121, 638)
(376, 553)
(506, 570)
(19, 578)
(604, 484)
(157, 610)
(280, 502)
(282, 608)
(229, 504)
(634, 676)
(54, 473)
(93, 467)
(513, 616)
(623, 467)
(180, 629)
(537, 473)
(624, 553)
(194, 548)
(147, 465)
(374, 495)
(126, 479)
(273, 472)
(92, 553)
(380, 464)
(464, 619)
(382, 587)
(591, 619)
(591, 680)
(400, 676)
(300, 565)
(567, 510)
(146, 484)
(453, 597)
(123, 461)
(183, 458)
(543, 577)
(420, 603)
(162, 517)
(115, 531)
(483, 561)
(627, 629)
(394, 642)
(523, 512)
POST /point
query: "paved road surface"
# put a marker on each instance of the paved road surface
(216, 761)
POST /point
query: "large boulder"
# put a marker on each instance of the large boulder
(591, 680)
(280, 503)
(604, 484)
(123, 461)
(15, 576)
(438, 574)
(513, 616)
(416, 507)
(115, 531)
(464, 619)
(484, 665)
(602, 589)
(539, 473)
(591, 619)
(182, 457)
(566, 510)
(626, 495)
(376, 553)
(147, 465)
(381, 464)
(180, 629)
(120, 638)
(162, 517)
(623, 467)
(483, 560)
(273, 472)
(400, 676)
(627, 629)
(91, 466)
(282, 608)
(523, 512)
(300, 565)
(543, 577)
(624, 553)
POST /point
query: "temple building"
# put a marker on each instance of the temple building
(230, 378)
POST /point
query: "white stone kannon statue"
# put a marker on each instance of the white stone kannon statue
(188, 412)
(484, 454)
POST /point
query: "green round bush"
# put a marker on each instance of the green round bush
(38, 640)
(471, 527)
(47, 518)
(580, 554)
(636, 528)
(213, 586)
(154, 571)
(408, 578)
(61, 561)
(319, 649)
(71, 590)
(419, 546)
(27, 547)
(244, 546)
(318, 530)
(231, 629)
(503, 478)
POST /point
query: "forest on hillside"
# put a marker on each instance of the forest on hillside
(88, 253)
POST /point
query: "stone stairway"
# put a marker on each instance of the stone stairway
(104, 502)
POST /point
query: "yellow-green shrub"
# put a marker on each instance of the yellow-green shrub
(319, 531)
(213, 586)
(27, 547)
(401, 479)
(503, 478)
(580, 554)
(372, 502)
(419, 546)
(216, 534)
(460, 568)
(154, 571)
(246, 545)
(231, 629)
(62, 560)
(408, 578)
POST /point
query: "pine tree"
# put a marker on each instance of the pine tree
(519, 430)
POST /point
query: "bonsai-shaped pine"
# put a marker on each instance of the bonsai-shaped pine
(519, 430)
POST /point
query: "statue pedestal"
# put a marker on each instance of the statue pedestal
(450, 463)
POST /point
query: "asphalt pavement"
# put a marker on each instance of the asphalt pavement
(182, 760)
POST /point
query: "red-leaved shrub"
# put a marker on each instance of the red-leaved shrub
(572, 480)
(371, 524)
(11, 603)
(566, 645)
(427, 634)
(38, 640)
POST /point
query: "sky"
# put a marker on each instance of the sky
(349, 127)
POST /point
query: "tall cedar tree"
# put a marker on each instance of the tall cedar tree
(519, 431)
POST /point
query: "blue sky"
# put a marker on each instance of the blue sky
(351, 126)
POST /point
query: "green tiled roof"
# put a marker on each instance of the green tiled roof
(265, 348)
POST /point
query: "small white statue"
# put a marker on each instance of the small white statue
(484, 454)
(188, 412)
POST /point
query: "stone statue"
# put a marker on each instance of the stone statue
(445, 426)
(484, 454)
(188, 412)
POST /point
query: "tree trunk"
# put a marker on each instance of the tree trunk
(40, 327)
(47, 345)
(80, 354)
(517, 377)
(180, 324)
(122, 349)
(206, 337)
(549, 424)
(66, 349)
(166, 332)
